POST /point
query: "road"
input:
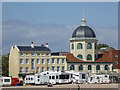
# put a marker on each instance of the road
(66, 87)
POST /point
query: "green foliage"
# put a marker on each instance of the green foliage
(5, 65)
(101, 46)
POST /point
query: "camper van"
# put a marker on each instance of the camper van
(79, 77)
(99, 79)
(5, 80)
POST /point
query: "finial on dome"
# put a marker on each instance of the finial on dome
(83, 21)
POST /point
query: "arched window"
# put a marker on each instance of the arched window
(79, 46)
(89, 46)
(106, 67)
(98, 67)
(72, 67)
(95, 46)
(72, 46)
(80, 56)
(80, 67)
(89, 67)
(89, 57)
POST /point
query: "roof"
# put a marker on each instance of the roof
(71, 58)
(36, 48)
(83, 31)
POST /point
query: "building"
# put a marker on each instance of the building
(83, 54)
(34, 59)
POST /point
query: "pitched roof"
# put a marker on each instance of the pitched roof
(104, 58)
(71, 58)
(36, 48)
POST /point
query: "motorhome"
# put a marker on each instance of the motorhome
(99, 79)
(79, 77)
(5, 80)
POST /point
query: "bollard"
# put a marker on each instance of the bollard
(78, 87)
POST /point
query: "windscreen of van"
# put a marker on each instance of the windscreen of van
(83, 76)
(64, 76)
(7, 80)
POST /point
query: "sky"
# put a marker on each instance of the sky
(51, 22)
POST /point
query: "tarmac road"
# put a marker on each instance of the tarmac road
(66, 87)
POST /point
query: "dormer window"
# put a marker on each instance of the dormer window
(33, 54)
(21, 54)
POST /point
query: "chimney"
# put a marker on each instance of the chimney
(32, 46)
(46, 44)
(42, 45)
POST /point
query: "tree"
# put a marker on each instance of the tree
(101, 46)
(5, 65)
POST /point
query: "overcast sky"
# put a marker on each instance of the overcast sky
(55, 22)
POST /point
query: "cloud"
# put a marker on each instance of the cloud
(21, 33)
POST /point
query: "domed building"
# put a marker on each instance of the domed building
(83, 54)
(83, 43)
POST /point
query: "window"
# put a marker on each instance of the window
(56, 77)
(95, 46)
(47, 54)
(38, 61)
(38, 54)
(48, 68)
(116, 62)
(27, 70)
(33, 54)
(21, 54)
(53, 61)
(49, 77)
(27, 61)
(72, 67)
(89, 46)
(53, 68)
(57, 61)
(48, 61)
(89, 67)
(83, 76)
(116, 56)
(21, 61)
(80, 56)
(37, 69)
(79, 46)
(89, 57)
(43, 69)
(80, 67)
(53, 77)
(58, 68)
(63, 68)
(72, 46)
(32, 64)
(106, 67)
(7, 80)
(21, 69)
(63, 61)
(43, 61)
(98, 67)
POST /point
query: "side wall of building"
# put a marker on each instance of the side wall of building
(14, 62)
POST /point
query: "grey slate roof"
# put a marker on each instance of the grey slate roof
(36, 48)
(83, 31)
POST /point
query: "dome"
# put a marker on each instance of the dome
(83, 31)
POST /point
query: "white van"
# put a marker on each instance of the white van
(5, 80)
